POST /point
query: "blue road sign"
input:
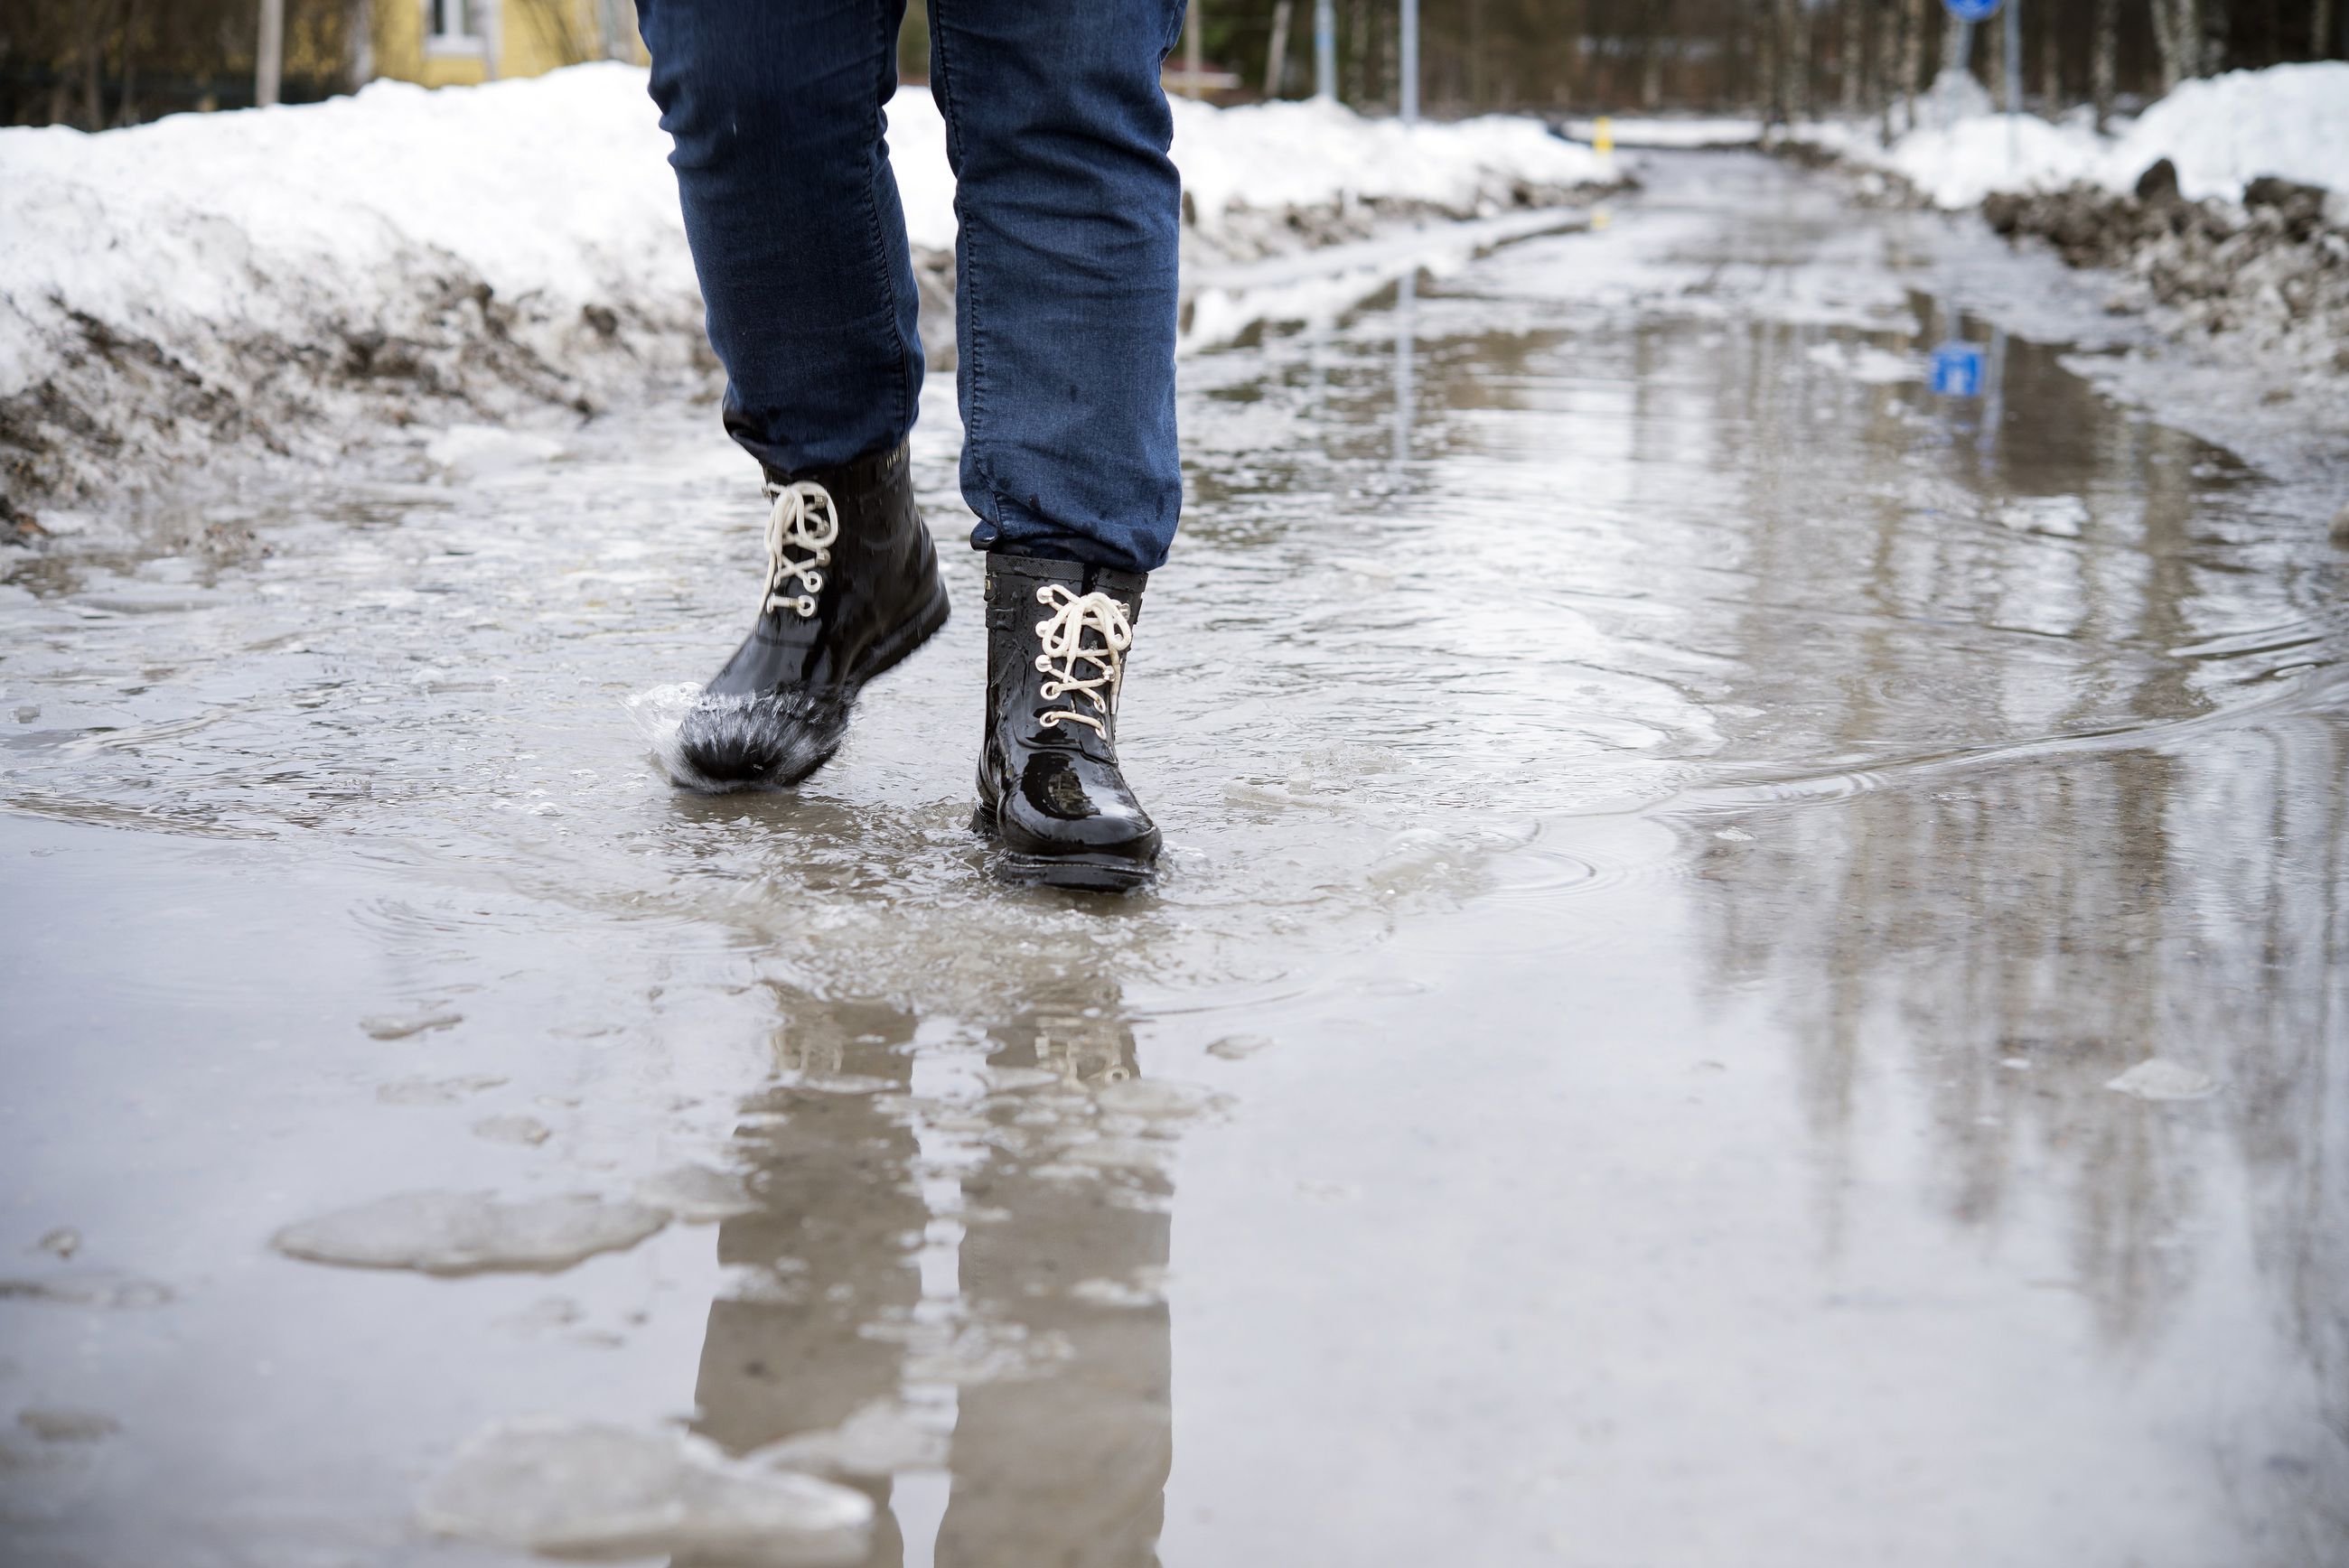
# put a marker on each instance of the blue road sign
(1957, 369)
(1972, 10)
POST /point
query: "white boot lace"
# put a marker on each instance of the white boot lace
(1062, 635)
(803, 520)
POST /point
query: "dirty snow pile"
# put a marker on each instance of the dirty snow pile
(2224, 208)
(2220, 133)
(273, 276)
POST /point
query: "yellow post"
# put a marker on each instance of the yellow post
(1602, 136)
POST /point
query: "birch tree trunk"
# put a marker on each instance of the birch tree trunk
(1276, 54)
(2176, 39)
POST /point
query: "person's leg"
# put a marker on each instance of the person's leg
(775, 106)
(1065, 273)
(1070, 206)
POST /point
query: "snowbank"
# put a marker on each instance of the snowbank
(2225, 131)
(2220, 133)
(1294, 156)
(227, 274)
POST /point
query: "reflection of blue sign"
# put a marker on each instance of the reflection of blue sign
(1957, 369)
(1972, 10)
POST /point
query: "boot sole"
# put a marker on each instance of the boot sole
(887, 654)
(1087, 872)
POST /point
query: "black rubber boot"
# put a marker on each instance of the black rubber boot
(1048, 786)
(852, 587)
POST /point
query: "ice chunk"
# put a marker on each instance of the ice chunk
(111, 1291)
(697, 1194)
(878, 1439)
(526, 1129)
(1155, 1100)
(2159, 1078)
(2056, 516)
(1120, 1154)
(1009, 1080)
(582, 1490)
(469, 1233)
(1147, 1287)
(399, 1027)
(435, 1091)
(469, 452)
(1236, 1048)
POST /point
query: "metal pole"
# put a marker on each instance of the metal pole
(269, 58)
(1325, 50)
(2012, 43)
(1411, 62)
(2013, 73)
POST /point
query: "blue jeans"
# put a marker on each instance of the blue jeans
(1065, 275)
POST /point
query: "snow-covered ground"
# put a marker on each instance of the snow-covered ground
(2220, 133)
(209, 277)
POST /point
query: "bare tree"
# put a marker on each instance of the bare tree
(1790, 58)
(1849, 55)
(2212, 57)
(2103, 58)
(2319, 31)
(2051, 62)
(1912, 58)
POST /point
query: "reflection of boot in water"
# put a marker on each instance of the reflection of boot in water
(1068, 1466)
(823, 1256)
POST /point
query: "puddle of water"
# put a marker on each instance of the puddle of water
(1729, 922)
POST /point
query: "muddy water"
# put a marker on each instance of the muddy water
(1675, 831)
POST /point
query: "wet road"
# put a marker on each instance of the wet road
(1676, 832)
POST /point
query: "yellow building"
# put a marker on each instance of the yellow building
(444, 43)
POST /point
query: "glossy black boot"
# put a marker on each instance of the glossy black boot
(852, 587)
(1048, 787)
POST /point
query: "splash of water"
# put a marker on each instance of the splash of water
(720, 743)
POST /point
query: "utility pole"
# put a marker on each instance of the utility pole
(1325, 50)
(2012, 42)
(1410, 85)
(269, 58)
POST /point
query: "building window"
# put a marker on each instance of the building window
(451, 27)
